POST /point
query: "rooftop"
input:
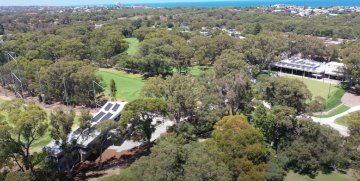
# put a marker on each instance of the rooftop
(110, 111)
(307, 65)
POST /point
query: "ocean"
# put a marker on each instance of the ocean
(245, 3)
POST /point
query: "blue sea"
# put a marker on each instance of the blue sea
(245, 3)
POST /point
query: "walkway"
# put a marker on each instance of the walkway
(331, 121)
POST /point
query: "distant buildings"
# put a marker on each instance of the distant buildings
(310, 11)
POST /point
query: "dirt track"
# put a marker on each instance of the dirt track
(8, 95)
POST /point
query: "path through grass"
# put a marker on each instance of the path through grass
(336, 111)
(344, 119)
(128, 85)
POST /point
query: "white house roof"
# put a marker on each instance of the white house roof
(296, 63)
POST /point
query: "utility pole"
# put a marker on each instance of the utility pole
(16, 77)
(40, 87)
(4, 83)
(65, 93)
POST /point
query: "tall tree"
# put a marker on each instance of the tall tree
(314, 148)
(257, 29)
(137, 118)
(287, 92)
(25, 124)
(352, 68)
(2, 29)
(243, 147)
(352, 144)
(61, 123)
(113, 89)
(232, 76)
(106, 129)
(174, 159)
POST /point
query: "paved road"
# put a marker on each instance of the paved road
(331, 121)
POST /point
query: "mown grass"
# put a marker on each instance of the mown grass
(330, 92)
(133, 46)
(336, 111)
(344, 120)
(333, 176)
(128, 85)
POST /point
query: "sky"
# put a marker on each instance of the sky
(82, 2)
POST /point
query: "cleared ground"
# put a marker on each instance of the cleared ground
(133, 46)
(334, 176)
(331, 92)
(128, 85)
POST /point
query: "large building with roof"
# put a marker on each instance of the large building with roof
(310, 68)
(86, 140)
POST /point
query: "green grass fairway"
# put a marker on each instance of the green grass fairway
(196, 70)
(319, 88)
(133, 46)
(128, 85)
(334, 176)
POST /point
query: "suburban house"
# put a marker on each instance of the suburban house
(85, 140)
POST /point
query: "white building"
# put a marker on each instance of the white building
(310, 68)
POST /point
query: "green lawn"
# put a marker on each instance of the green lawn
(336, 111)
(343, 120)
(332, 93)
(133, 46)
(46, 139)
(128, 85)
(334, 176)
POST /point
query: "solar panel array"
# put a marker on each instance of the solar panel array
(98, 116)
(116, 107)
(297, 63)
(107, 112)
(108, 106)
(106, 117)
